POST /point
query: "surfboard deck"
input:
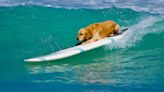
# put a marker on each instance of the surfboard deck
(75, 50)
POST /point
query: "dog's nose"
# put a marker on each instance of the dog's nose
(77, 38)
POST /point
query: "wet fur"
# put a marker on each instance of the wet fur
(97, 31)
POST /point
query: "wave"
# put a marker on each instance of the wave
(137, 31)
(152, 6)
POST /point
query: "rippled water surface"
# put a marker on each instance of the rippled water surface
(30, 28)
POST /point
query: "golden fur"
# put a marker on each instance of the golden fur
(97, 31)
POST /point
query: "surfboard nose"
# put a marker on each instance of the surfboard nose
(33, 60)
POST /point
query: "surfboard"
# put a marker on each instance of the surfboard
(76, 49)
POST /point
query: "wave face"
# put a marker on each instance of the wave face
(135, 63)
(153, 6)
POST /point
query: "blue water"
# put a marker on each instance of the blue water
(31, 28)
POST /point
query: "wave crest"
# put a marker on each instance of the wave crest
(152, 6)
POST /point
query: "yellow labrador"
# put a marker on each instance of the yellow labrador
(97, 31)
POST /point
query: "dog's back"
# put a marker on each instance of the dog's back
(108, 28)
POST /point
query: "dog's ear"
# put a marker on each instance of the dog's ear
(88, 35)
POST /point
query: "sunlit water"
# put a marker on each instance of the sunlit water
(135, 63)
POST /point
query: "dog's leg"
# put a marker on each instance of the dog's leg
(90, 40)
(110, 35)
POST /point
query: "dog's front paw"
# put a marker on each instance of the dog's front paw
(111, 35)
(84, 43)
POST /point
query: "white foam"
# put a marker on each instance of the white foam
(152, 6)
(136, 32)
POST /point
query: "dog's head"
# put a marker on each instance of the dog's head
(83, 34)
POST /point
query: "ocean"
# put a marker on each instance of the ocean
(31, 28)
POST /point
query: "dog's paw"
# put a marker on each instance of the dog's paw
(84, 43)
(111, 35)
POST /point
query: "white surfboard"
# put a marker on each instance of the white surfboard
(76, 50)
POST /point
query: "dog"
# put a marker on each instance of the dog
(98, 31)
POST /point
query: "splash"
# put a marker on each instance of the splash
(136, 32)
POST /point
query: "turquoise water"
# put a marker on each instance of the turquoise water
(135, 63)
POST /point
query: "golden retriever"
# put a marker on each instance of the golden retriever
(97, 31)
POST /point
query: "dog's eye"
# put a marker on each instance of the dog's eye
(81, 34)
